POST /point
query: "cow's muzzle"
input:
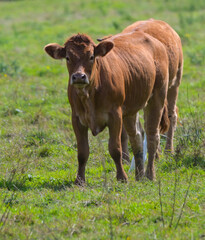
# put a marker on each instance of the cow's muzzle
(79, 79)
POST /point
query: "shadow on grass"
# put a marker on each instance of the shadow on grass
(25, 184)
(170, 162)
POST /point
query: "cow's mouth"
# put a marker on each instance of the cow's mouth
(80, 84)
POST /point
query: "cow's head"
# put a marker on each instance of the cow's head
(80, 53)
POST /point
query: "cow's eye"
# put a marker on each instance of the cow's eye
(67, 59)
(92, 58)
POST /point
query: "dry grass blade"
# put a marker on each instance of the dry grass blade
(161, 205)
(184, 203)
(176, 179)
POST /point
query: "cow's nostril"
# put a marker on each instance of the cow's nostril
(83, 76)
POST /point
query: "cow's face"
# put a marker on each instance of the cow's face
(80, 53)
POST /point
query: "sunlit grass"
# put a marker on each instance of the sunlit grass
(38, 163)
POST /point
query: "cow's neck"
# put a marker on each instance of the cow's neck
(95, 118)
(86, 96)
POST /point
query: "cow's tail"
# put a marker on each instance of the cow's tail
(164, 123)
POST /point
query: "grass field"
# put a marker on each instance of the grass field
(38, 163)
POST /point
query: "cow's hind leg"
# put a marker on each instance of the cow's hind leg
(172, 110)
(136, 141)
(115, 147)
(124, 142)
(152, 116)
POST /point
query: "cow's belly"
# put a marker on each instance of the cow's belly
(134, 103)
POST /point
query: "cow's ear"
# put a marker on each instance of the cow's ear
(103, 48)
(55, 50)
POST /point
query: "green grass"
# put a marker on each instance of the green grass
(38, 164)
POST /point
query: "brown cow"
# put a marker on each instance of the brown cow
(165, 34)
(109, 83)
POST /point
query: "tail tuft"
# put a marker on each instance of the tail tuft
(164, 124)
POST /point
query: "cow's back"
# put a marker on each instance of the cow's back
(165, 34)
(142, 62)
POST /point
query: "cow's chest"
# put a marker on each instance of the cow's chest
(91, 115)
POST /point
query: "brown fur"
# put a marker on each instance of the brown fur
(170, 39)
(109, 83)
(164, 123)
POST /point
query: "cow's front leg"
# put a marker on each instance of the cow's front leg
(81, 133)
(115, 148)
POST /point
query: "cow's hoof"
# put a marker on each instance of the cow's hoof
(169, 150)
(150, 174)
(122, 177)
(80, 181)
(139, 172)
(139, 176)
